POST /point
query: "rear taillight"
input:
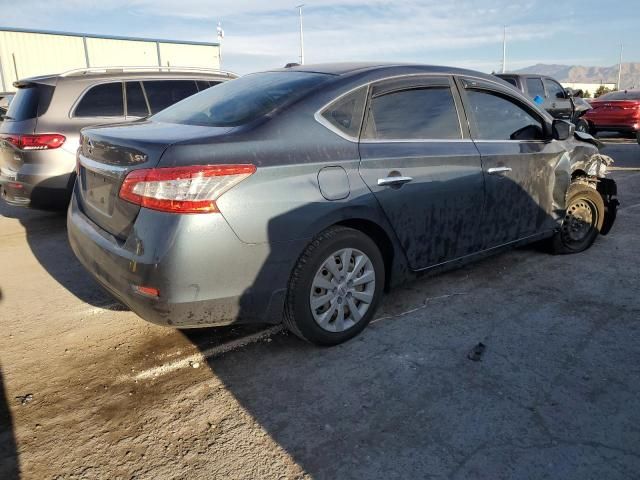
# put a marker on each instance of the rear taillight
(45, 141)
(193, 189)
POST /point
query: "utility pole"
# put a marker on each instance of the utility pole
(299, 7)
(620, 65)
(504, 49)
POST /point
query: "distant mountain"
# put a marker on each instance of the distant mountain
(576, 73)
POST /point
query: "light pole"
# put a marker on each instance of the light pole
(220, 35)
(299, 7)
(504, 49)
(620, 65)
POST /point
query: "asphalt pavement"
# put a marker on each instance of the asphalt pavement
(88, 390)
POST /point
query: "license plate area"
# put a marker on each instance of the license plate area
(98, 191)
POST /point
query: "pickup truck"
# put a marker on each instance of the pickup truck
(549, 94)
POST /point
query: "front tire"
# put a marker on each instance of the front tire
(583, 126)
(582, 221)
(335, 287)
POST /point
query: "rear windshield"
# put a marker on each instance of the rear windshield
(240, 101)
(29, 102)
(629, 95)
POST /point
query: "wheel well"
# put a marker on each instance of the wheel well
(380, 237)
(578, 174)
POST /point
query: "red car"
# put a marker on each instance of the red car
(613, 112)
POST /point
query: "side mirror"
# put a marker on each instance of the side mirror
(570, 92)
(562, 130)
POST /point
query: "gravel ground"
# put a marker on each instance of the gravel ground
(88, 390)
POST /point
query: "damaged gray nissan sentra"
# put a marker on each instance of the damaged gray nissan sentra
(299, 195)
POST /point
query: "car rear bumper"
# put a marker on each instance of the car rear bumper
(45, 182)
(204, 274)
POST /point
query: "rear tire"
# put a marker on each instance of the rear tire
(328, 303)
(582, 222)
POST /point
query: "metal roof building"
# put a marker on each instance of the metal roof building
(27, 53)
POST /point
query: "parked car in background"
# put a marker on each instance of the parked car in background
(303, 193)
(5, 100)
(39, 136)
(549, 94)
(614, 112)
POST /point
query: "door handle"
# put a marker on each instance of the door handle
(393, 181)
(498, 170)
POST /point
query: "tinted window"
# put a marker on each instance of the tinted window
(510, 80)
(29, 102)
(163, 93)
(535, 88)
(346, 112)
(240, 101)
(136, 104)
(498, 118)
(626, 95)
(102, 101)
(204, 84)
(554, 89)
(424, 113)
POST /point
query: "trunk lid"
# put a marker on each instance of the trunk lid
(108, 154)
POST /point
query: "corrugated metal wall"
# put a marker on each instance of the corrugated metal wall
(27, 54)
(175, 55)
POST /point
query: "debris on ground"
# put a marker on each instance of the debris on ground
(25, 399)
(476, 352)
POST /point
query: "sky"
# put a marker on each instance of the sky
(262, 34)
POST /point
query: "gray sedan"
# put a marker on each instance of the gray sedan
(301, 194)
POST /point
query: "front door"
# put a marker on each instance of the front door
(423, 169)
(557, 102)
(518, 160)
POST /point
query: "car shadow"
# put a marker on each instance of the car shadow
(390, 403)
(9, 466)
(46, 235)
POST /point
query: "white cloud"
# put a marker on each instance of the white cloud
(264, 34)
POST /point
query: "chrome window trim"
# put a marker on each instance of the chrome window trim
(418, 140)
(325, 123)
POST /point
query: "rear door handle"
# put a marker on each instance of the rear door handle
(393, 181)
(498, 170)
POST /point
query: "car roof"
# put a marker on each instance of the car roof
(521, 75)
(101, 73)
(341, 69)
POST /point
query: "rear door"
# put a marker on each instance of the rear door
(517, 160)
(557, 102)
(424, 171)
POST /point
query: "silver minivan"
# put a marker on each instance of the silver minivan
(40, 133)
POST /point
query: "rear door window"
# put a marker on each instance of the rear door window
(104, 100)
(204, 84)
(136, 103)
(554, 89)
(415, 114)
(497, 117)
(30, 102)
(164, 93)
(535, 88)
